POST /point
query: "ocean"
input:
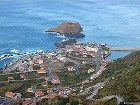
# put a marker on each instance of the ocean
(23, 23)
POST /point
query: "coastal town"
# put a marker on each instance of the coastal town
(69, 52)
(33, 77)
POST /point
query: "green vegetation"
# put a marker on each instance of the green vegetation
(123, 76)
(35, 74)
(20, 86)
(74, 100)
(105, 49)
(112, 101)
(29, 94)
(87, 66)
(15, 76)
(71, 100)
(99, 102)
(29, 75)
(27, 84)
(36, 67)
(68, 78)
(9, 87)
(3, 77)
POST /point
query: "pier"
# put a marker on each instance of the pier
(123, 49)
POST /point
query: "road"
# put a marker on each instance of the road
(98, 86)
(94, 76)
(48, 71)
(119, 99)
(27, 79)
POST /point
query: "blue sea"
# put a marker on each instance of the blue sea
(23, 23)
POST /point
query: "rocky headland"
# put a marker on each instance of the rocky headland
(68, 29)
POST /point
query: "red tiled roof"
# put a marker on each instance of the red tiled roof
(44, 83)
(39, 93)
(9, 94)
(41, 70)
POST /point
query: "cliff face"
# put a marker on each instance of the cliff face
(67, 28)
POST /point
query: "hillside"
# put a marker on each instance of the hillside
(124, 78)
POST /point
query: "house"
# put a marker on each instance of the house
(91, 70)
(82, 49)
(42, 65)
(9, 94)
(22, 76)
(55, 80)
(45, 83)
(38, 59)
(49, 91)
(92, 53)
(31, 90)
(95, 49)
(85, 55)
(31, 67)
(61, 58)
(71, 68)
(21, 67)
(12, 95)
(84, 62)
(61, 93)
(31, 62)
(39, 93)
(69, 50)
(10, 79)
(41, 70)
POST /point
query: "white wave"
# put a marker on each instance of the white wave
(5, 56)
(39, 50)
(66, 39)
(14, 51)
(61, 36)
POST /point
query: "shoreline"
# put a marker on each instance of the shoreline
(14, 56)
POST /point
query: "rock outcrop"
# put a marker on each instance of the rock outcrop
(68, 29)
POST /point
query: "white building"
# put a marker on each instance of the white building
(95, 49)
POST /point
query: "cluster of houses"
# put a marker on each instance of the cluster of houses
(84, 49)
(40, 94)
(49, 94)
(89, 50)
(30, 64)
(84, 52)
(37, 63)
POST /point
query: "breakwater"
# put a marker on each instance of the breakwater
(123, 49)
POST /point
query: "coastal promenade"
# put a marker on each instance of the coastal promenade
(123, 49)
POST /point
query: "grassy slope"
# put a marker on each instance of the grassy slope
(124, 77)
